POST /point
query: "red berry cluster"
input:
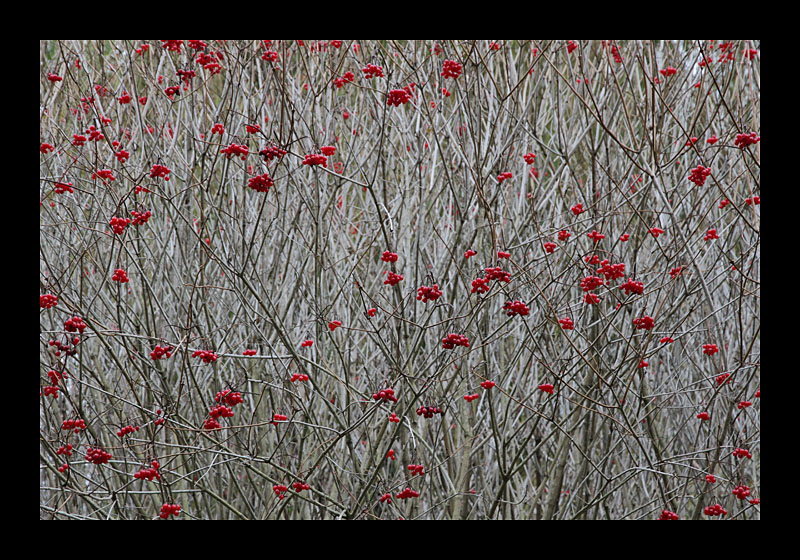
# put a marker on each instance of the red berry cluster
(503, 176)
(550, 247)
(611, 271)
(710, 349)
(348, 78)
(140, 218)
(75, 324)
(47, 301)
(169, 509)
(300, 486)
(668, 71)
(714, 510)
(469, 253)
(656, 231)
(591, 299)
(120, 276)
(645, 322)
(306, 343)
(452, 340)
(741, 491)
(279, 490)
(399, 97)
(218, 411)
(125, 430)
(416, 470)
(206, 355)
(426, 293)
(516, 307)
(386, 498)
(315, 159)
(76, 425)
(385, 395)
(480, 285)
(590, 283)
(238, 150)
(632, 287)
(723, 378)
(260, 183)
(149, 473)
(546, 387)
(711, 479)
(741, 453)
(703, 416)
(749, 201)
(470, 398)
(567, 324)
(710, 234)
(529, 157)
(390, 455)
(503, 255)
(51, 391)
(388, 256)
(667, 515)
(699, 174)
(160, 171)
(407, 493)
(119, 224)
(270, 152)
(487, 384)
(229, 397)
(65, 450)
(498, 274)
(97, 456)
(299, 377)
(429, 411)
(370, 71)
(62, 188)
(393, 279)
(451, 69)
(394, 418)
(744, 140)
(577, 209)
(104, 174)
(595, 236)
(744, 404)
(161, 352)
(333, 324)
(249, 353)
(278, 418)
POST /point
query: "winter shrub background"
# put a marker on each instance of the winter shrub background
(399, 279)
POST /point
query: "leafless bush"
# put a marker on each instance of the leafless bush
(492, 157)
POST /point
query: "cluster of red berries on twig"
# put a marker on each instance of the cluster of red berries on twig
(149, 473)
(393, 279)
(206, 355)
(699, 174)
(744, 140)
(161, 352)
(715, 510)
(386, 395)
(516, 307)
(125, 430)
(429, 411)
(76, 425)
(120, 276)
(97, 456)
(169, 509)
(47, 301)
(452, 340)
(428, 293)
